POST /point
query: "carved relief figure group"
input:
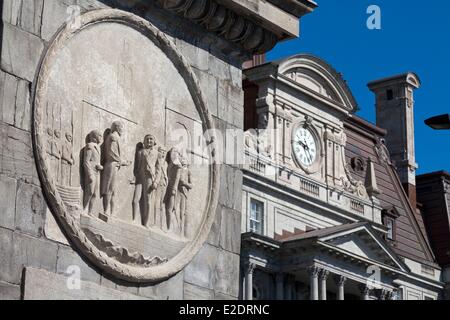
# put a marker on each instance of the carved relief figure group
(162, 180)
(60, 155)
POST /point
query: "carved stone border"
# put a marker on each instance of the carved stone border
(71, 227)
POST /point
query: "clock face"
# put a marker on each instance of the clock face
(305, 147)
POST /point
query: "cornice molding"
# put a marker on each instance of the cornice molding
(224, 22)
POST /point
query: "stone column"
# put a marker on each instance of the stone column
(365, 292)
(249, 269)
(279, 279)
(323, 284)
(314, 282)
(242, 292)
(340, 282)
(290, 293)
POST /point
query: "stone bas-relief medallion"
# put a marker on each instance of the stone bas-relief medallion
(116, 112)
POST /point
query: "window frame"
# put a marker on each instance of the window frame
(261, 219)
(390, 235)
(390, 215)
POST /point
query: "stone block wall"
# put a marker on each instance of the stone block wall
(30, 239)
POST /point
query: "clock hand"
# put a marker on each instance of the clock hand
(305, 144)
(308, 155)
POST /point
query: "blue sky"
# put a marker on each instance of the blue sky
(414, 36)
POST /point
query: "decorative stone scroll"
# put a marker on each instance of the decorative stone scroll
(224, 22)
(116, 111)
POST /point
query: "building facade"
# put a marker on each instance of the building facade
(99, 200)
(329, 205)
(433, 196)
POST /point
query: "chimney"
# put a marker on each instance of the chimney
(395, 113)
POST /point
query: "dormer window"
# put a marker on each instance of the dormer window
(390, 216)
(389, 223)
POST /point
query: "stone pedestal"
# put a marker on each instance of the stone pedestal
(148, 242)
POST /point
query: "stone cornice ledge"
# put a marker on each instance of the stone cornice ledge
(255, 25)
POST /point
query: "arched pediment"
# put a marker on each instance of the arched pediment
(318, 76)
(413, 79)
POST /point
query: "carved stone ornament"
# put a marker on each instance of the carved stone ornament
(352, 185)
(224, 22)
(116, 108)
(357, 164)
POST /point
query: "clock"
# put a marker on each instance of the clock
(304, 147)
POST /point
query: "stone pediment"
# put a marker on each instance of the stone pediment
(356, 240)
(319, 78)
(312, 81)
(363, 242)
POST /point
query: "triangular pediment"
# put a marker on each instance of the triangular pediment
(364, 243)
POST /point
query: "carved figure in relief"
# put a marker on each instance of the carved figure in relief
(250, 140)
(184, 186)
(67, 161)
(145, 153)
(264, 146)
(161, 191)
(151, 174)
(112, 162)
(56, 154)
(174, 167)
(90, 169)
(137, 203)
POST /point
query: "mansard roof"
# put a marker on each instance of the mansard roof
(365, 140)
(433, 193)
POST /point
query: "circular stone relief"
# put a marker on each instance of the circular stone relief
(116, 113)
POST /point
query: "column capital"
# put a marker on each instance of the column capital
(323, 275)
(386, 294)
(314, 271)
(249, 267)
(339, 279)
(365, 289)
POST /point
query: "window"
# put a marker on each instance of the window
(256, 216)
(390, 94)
(389, 217)
(390, 225)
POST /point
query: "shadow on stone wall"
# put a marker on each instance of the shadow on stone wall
(186, 30)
